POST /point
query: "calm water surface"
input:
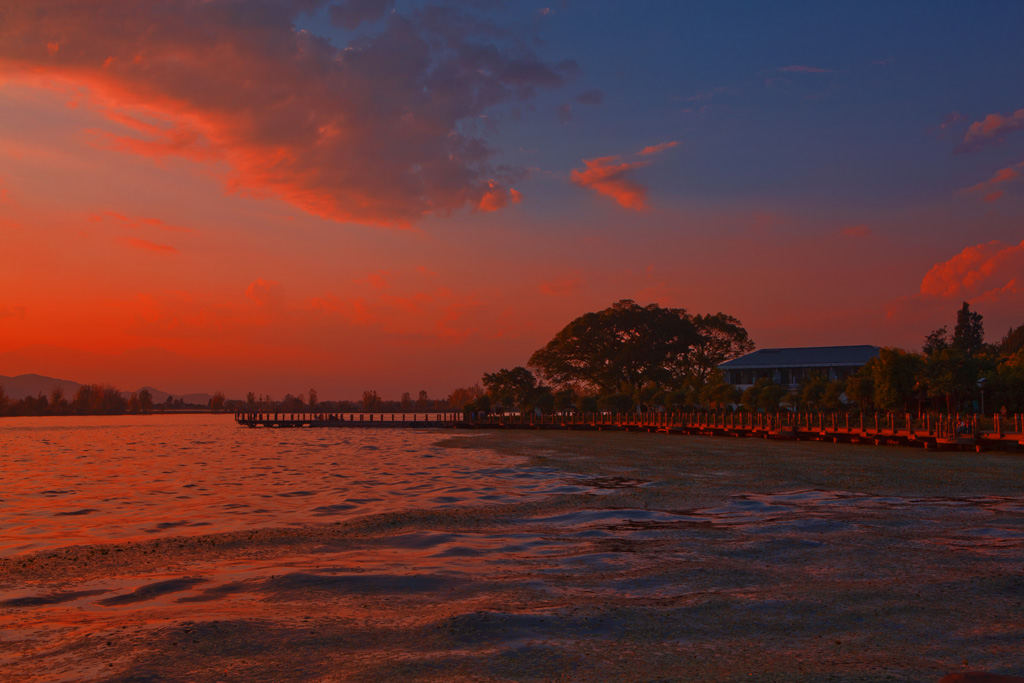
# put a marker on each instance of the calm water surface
(76, 480)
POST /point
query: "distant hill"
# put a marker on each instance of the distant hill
(21, 386)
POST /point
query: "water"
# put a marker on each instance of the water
(185, 548)
(79, 480)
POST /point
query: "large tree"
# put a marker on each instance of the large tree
(896, 377)
(720, 337)
(620, 348)
(950, 374)
(969, 334)
(860, 388)
(936, 341)
(510, 388)
(1012, 342)
(1006, 384)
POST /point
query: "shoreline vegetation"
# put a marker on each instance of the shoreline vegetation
(632, 358)
(641, 359)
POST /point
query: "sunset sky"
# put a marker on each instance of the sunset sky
(274, 195)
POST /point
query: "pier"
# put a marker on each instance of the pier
(930, 431)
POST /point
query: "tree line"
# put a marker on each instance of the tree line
(630, 357)
(371, 402)
(99, 399)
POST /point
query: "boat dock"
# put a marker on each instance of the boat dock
(959, 432)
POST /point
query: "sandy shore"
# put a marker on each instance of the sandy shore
(691, 559)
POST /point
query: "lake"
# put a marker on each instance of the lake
(186, 548)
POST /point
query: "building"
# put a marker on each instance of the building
(789, 367)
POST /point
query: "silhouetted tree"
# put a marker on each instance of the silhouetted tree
(895, 375)
(145, 401)
(623, 345)
(770, 396)
(58, 405)
(812, 391)
(951, 376)
(763, 395)
(1005, 384)
(1012, 342)
(423, 402)
(749, 396)
(312, 399)
(97, 399)
(564, 400)
(84, 403)
(720, 338)
(969, 334)
(406, 402)
(716, 392)
(463, 396)
(588, 403)
(217, 402)
(615, 402)
(832, 398)
(509, 388)
(292, 404)
(539, 399)
(371, 401)
(937, 340)
(860, 388)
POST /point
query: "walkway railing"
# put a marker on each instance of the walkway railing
(927, 430)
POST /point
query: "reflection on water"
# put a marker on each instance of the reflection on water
(412, 571)
(95, 479)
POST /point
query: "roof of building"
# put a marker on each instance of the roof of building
(807, 357)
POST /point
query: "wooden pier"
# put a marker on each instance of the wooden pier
(960, 432)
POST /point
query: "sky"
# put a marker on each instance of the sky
(278, 195)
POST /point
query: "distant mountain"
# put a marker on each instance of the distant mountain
(21, 386)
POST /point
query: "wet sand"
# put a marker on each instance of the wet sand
(684, 559)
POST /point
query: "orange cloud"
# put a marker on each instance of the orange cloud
(497, 197)
(655, 149)
(151, 246)
(378, 280)
(608, 177)
(264, 292)
(990, 271)
(289, 113)
(992, 129)
(989, 189)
